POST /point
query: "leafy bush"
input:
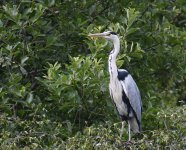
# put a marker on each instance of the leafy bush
(79, 91)
(42, 133)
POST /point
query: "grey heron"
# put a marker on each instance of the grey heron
(123, 89)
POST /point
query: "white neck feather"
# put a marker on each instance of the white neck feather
(113, 70)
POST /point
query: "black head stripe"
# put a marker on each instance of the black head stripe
(114, 33)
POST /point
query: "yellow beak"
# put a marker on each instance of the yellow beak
(97, 35)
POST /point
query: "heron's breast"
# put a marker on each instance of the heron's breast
(116, 91)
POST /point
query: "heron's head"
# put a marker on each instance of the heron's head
(107, 35)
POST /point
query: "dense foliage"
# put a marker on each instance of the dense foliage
(54, 79)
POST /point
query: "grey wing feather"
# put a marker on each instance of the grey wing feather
(133, 94)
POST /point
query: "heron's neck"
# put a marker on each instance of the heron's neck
(113, 70)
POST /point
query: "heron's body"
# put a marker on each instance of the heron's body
(123, 89)
(118, 91)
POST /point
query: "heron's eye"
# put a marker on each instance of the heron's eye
(109, 34)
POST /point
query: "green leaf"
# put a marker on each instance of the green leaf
(29, 98)
(131, 31)
(24, 59)
(23, 70)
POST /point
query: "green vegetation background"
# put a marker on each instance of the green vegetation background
(54, 79)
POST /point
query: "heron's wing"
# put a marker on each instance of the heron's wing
(132, 92)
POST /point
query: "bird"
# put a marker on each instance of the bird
(123, 89)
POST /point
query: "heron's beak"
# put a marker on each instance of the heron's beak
(97, 35)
